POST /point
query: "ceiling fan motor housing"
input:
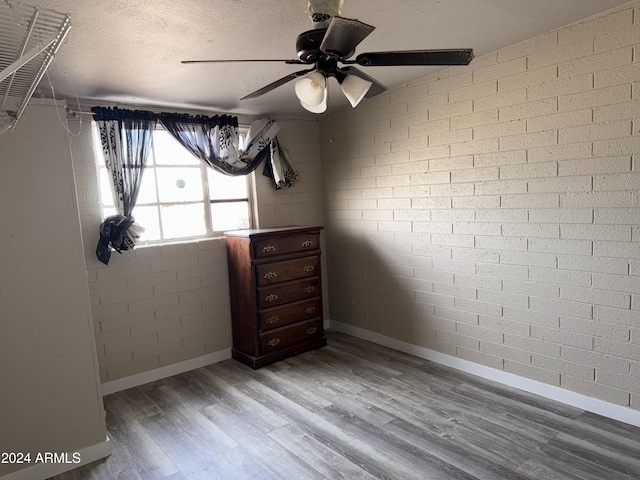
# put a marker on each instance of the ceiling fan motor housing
(308, 45)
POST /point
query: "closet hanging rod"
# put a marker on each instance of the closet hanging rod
(78, 112)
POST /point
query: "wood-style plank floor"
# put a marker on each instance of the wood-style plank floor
(353, 410)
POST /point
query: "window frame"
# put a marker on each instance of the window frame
(207, 201)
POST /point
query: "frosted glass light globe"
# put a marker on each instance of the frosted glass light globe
(310, 89)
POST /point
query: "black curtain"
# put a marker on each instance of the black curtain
(213, 140)
(125, 137)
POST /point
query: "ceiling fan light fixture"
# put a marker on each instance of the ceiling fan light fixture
(311, 89)
(319, 108)
(355, 88)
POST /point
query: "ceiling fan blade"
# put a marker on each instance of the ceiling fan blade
(415, 57)
(376, 88)
(289, 62)
(277, 83)
(344, 35)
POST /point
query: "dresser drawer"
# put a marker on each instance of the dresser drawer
(288, 292)
(287, 314)
(287, 270)
(285, 245)
(291, 335)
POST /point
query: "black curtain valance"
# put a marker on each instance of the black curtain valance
(115, 113)
(198, 119)
(108, 114)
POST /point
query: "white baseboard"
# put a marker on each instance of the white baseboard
(562, 395)
(42, 471)
(164, 372)
(567, 397)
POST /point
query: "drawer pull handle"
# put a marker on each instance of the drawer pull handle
(307, 243)
(309, 289)
(269, 249)
(271, 298)
(308, 268)
(270, 275)
(273, 342)
(312, 330)
(310, 310)
(272, 320)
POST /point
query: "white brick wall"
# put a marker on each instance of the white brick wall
(515, 183)
(162, 304)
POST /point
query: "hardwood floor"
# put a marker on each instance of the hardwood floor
(353, 410)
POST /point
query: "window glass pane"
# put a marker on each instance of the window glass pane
(105, 189)
(183, 220)
(223, 186)
(108, 212)
(147, 192)
(229, 216)
(168, 151)
(148, 218)
(179, 184)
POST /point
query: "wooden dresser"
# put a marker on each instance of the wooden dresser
(276, 293)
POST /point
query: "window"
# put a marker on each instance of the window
(180, 197)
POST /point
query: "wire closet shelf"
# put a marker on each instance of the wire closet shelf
(29, 39)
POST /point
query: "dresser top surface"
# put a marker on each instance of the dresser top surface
(269, 232)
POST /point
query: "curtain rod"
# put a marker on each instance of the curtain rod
(76, 113)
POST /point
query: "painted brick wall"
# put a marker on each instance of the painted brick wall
(302, 204)
(162, 304)
(492, 212)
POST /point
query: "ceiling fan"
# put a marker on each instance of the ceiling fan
(324, 48)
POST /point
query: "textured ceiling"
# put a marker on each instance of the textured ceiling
(129, 51)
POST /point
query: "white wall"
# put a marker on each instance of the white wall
(50, 398)
(492, 212)
(159, 305)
